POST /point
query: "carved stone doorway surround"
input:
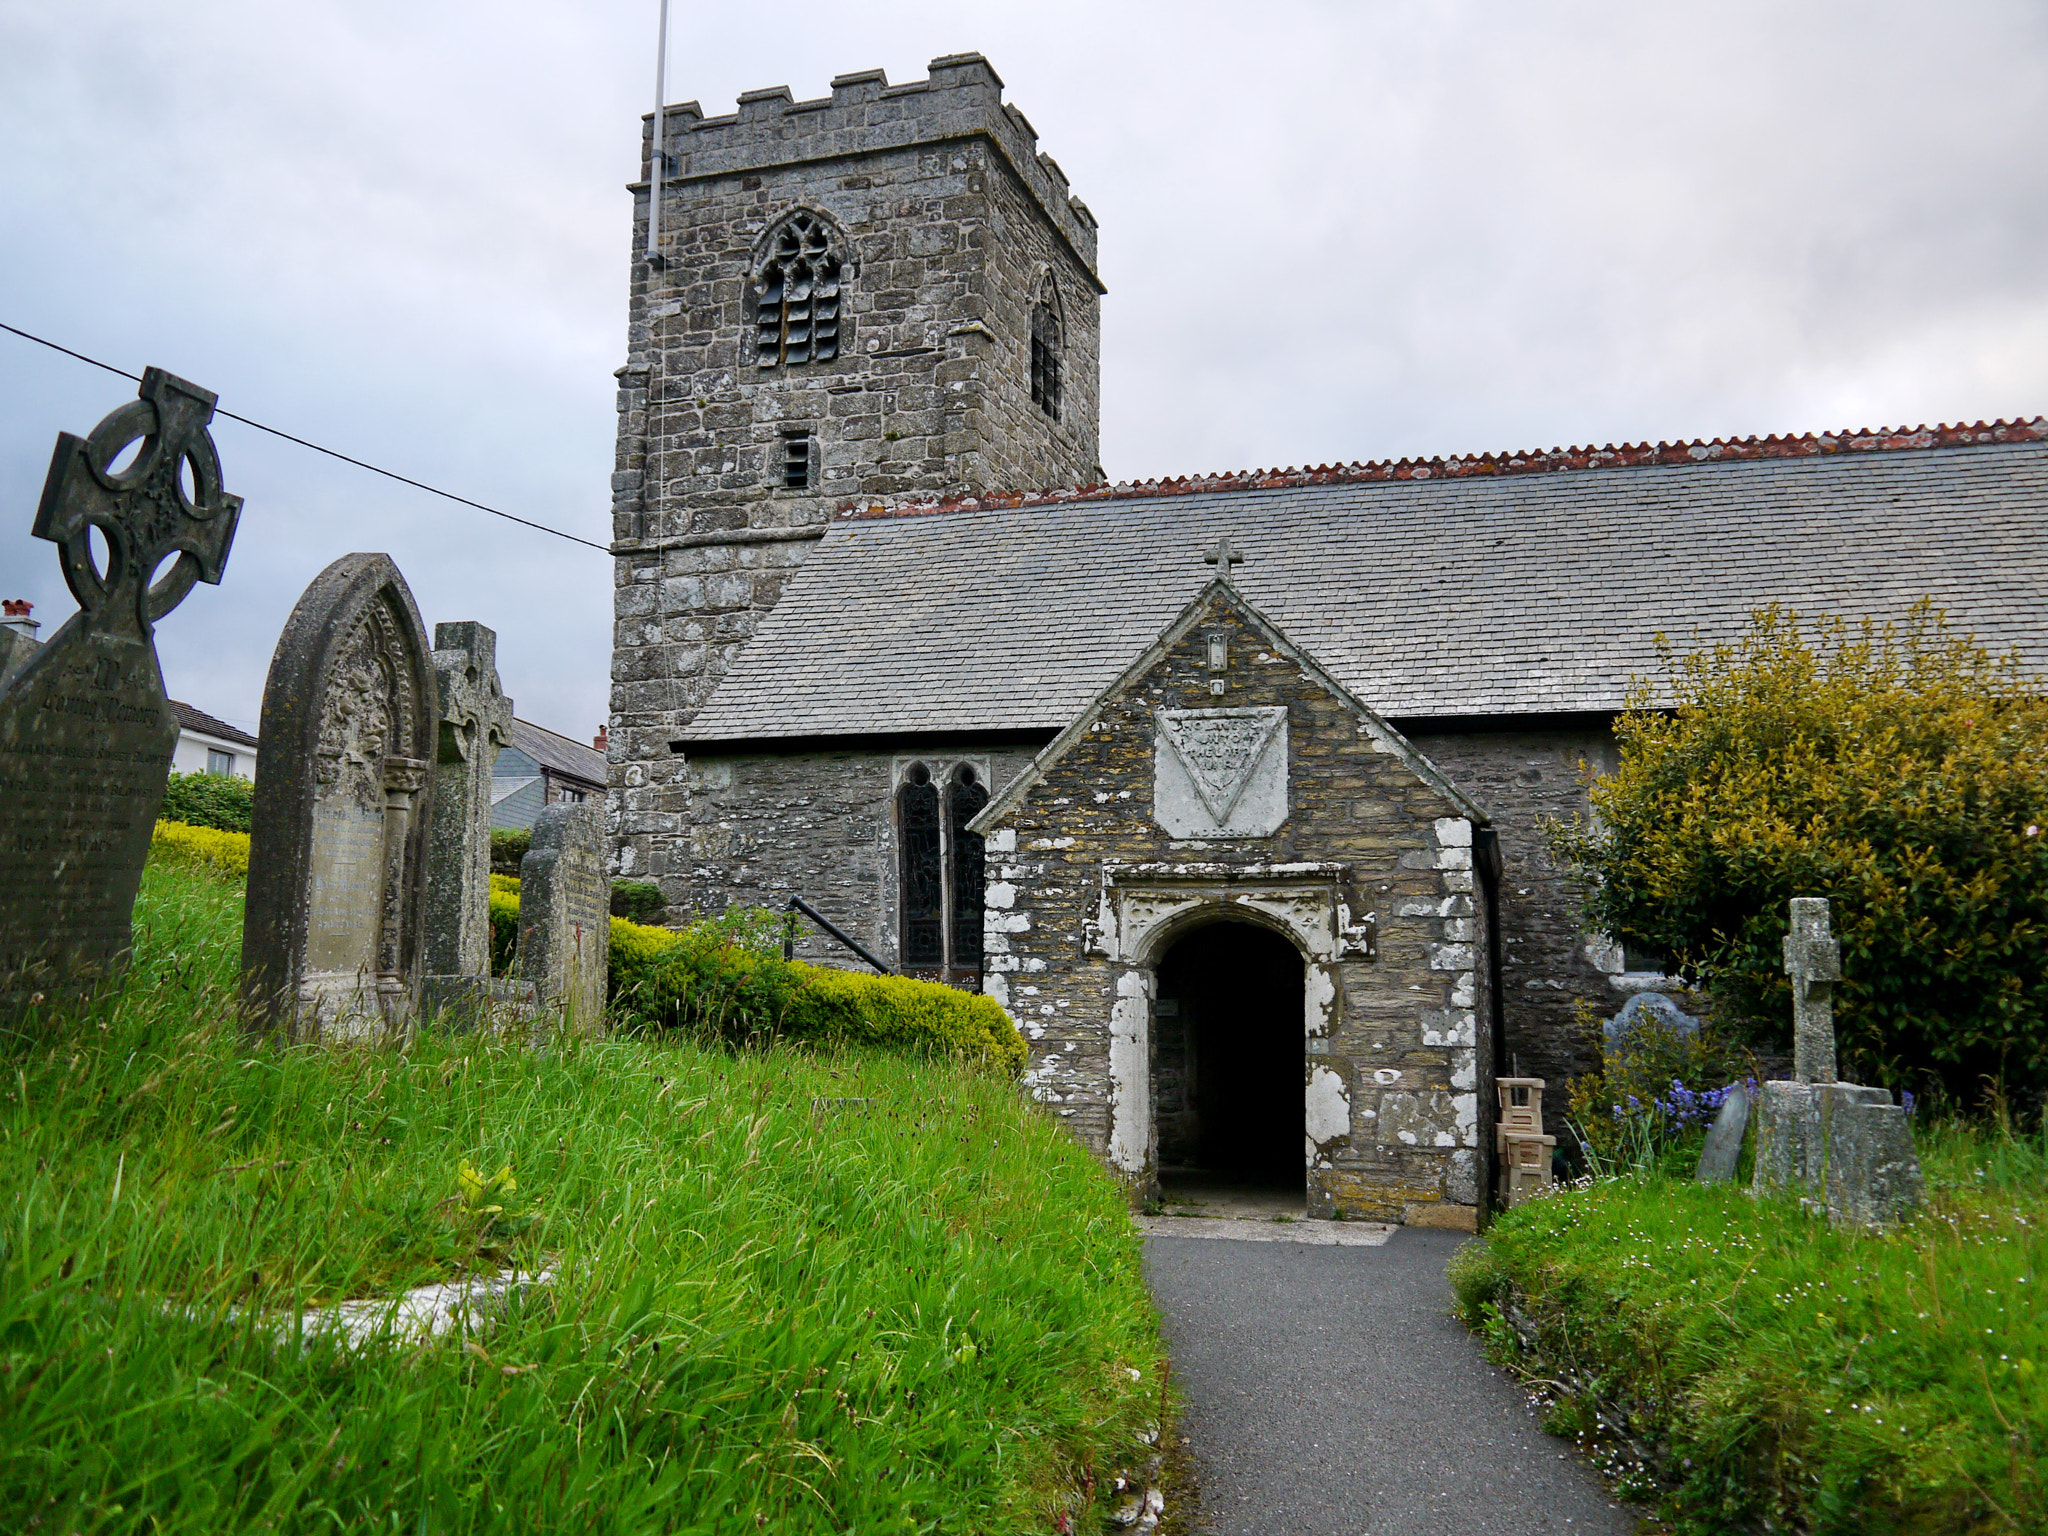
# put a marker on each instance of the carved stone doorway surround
(1143, 908)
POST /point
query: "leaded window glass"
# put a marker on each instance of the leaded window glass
(965, 797)
(922, 874)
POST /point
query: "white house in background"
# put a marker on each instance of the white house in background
(207, 745)
(539, 768)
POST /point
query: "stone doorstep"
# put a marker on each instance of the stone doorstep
(1317, 1234)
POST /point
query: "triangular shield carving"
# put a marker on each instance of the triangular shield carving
(1220, 749)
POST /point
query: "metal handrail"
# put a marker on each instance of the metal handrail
(798, 904)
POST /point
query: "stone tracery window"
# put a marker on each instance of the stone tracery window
(1046, 349)
(796, 292)
(940, 871)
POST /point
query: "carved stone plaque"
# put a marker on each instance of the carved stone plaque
(1220, 772)
(332, 927)
(85, 731)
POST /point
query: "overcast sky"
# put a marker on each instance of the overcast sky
(1329, 232)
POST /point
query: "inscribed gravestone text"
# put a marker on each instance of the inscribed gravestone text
(1221, 772)
(85, 731)
(332, 924)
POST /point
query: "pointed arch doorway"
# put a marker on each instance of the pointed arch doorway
(1227, 1061)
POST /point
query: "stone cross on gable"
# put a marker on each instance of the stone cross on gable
(1813, 959)
(1224, 556)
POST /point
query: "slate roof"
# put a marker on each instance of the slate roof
(206, 725)
(558, 753)
(1460, 593)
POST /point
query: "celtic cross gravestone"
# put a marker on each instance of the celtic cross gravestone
(332, 927)
(86, 733)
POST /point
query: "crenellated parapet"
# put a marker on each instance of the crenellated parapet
(961, 99)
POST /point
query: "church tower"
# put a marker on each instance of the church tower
(886, 291)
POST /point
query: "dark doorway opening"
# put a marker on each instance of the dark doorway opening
(1227, 1058)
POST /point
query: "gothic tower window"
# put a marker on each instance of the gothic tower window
(965, 797)
(922, 876)
(796, 292)
(1045, 349)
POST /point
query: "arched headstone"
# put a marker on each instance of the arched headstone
(332, 931)
(85, 731)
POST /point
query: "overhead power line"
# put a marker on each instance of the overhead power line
(388, 474)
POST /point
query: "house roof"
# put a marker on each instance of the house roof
(1520, 585)
(558, 754)
(200, 722)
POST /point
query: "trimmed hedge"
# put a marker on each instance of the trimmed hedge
(508, 847)
(208, 848)
(214, 800)
(663, 979)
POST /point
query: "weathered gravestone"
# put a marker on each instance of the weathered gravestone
(1723, 1149)
(475, 722)
(85, 731)
(1849, 1148)
(332, 927)
(565, 924)
(1647, 1008)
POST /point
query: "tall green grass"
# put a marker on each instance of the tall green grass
(1747, 1367)
(799, 1291)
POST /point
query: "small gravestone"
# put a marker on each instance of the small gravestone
(1647, 1008)
(1724, 1138)
(332, 926)
(1847, 1148)
(475, 722)
(565, 924)
(86, 733)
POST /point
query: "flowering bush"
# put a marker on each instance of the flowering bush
(1657, 1090)
(1901, 771)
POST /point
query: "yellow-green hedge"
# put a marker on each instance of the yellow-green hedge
(227, 853)
(662, 978)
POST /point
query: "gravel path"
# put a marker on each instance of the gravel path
(1330, 1393)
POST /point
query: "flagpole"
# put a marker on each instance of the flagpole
(658, 154)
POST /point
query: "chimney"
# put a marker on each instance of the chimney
(14, 613)
(598, 741)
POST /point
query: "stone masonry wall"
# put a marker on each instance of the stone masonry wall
(820, 825)
(949, 218)
(1550, 964)
(1371, 875)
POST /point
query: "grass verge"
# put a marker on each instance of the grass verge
(1738, 1365)
(799, 1290)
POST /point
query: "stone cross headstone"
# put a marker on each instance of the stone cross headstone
(565, 923)
(1813, 959)
(332, 926)
(1723, 1149)
(475, 722)
(86, 733)
(1848, 1148)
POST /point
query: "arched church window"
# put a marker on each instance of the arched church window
(921, 876)
(796, 292)
(965, 797)
(1046, 349)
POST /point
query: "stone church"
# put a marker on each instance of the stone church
(1230, 789)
